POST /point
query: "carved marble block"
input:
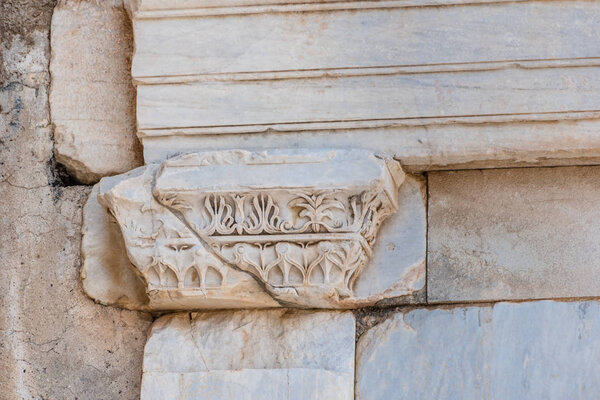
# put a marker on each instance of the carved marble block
(269, 228)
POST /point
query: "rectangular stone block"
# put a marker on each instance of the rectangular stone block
(92, 97)
(421, 145)
(431, 82)
(274, 354)
(513, 234)
(538, 350)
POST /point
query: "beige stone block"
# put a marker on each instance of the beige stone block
(452, 143)
(247, 355)
(92, 99)
(513, 234)
(373, 75)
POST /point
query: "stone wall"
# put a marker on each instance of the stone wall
(499, 297)
(56, 343)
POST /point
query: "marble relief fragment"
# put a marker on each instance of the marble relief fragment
(242, 229)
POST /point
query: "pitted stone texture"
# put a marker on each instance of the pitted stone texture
(92, 97)
(55, 343)
(248, 355)
(513, 234)
(538, 350)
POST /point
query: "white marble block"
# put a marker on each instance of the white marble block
(250, 355)
(538, 350)
(92, 96)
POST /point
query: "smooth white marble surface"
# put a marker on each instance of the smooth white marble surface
(537, 350)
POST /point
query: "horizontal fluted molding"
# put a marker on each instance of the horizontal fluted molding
(464, 67)
(207, 8)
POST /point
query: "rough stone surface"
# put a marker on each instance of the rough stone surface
(513, 234)
(175, 236)
(247, 355)
(537, 350)
(92, 97)
(55, 343)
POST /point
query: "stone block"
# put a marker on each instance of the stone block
(92, 98)
(384, 97)
(536, 350)
(513, 234)
(272, 354)
(421, 145)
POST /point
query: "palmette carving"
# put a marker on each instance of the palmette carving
(300, 223)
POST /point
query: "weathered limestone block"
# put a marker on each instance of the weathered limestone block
(239, 229)
(513, 234)
(537, 350)
(248, 355)
(92, 97)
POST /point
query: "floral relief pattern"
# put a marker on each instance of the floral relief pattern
(300, 243)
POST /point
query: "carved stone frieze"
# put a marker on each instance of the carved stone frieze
(295, 227)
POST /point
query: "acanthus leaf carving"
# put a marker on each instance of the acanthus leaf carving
(300, 223)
